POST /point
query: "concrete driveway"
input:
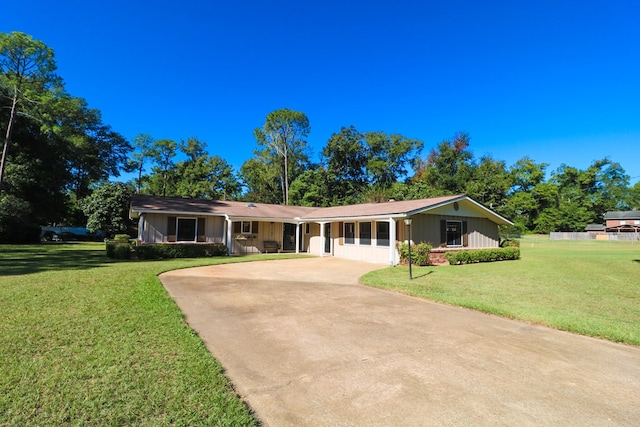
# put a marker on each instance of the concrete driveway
(306, 345)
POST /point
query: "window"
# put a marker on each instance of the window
(623, 222)
(186, 230)
(245, 227)
(365, 233)
(349, 233)
(636, 221)
(382, 233)
(454, 233)
(307, 228)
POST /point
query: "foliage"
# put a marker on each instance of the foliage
(107, 209)
(118, 249)
(419, 253)
(389, 156)
(483, 255)
(283, 146)
(183, 250)
(510, 243)
(16, 224)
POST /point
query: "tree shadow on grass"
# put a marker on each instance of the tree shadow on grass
(636, 260)
(20, 260)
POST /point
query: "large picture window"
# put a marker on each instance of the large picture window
(185, 229)
(365, 233)
(349, 233)
(382, 233)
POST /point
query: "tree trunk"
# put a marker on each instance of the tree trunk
(7, 139)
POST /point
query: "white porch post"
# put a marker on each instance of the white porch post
(322, 238)
(392, 242)
(229, 239)
(140, 227)
(297, 237)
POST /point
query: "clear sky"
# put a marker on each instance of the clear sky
(557, 81)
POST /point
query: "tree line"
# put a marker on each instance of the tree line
(60, 161)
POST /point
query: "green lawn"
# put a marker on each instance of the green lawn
(588, 287)
(88, 341)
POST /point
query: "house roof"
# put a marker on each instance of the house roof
(595, 227)
(622, 215)
(176, 205)
(237, 210)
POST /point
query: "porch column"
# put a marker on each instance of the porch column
(229, 240)
(140, 227)
(392, 242)
(297, 237)
(321, 238)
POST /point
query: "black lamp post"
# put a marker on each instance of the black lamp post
(408, 222)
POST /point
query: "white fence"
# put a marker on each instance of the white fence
(592, 236)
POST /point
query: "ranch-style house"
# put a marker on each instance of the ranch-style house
(364, 232)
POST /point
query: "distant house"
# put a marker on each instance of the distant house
(366, 232)
(622, 221)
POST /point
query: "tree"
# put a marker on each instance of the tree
(490, 182)
(448, 168)
(164, 152)
(388, 157)
(107, 209)
(204, 176)
(262, 182)
(345, 159)
(282, 137)
(27, 67)
(144, 150)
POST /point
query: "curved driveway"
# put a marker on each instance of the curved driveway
(305, 344)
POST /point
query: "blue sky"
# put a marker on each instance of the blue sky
(557, 81)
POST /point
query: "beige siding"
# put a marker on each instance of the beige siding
(482, 232)
(155, 228)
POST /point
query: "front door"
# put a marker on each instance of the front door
(289, 237)
(327, 238)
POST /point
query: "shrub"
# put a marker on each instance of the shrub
(159, 251)
(419, 253)
(510, 243)
(118, 250)
(482, 255)
(122, 238)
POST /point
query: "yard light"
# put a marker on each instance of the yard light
(408, 222)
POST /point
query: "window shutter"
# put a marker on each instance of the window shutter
(443, 232)
(465, 235)
(171, 229)
(237, 227)
(254, 227)
(341, 229)
(201, 230)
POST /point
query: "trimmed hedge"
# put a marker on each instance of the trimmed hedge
(159, 251)
(482, 255)
(419, 253)
(119, 250)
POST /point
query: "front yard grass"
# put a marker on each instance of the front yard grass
(588, 287)
(88, 341)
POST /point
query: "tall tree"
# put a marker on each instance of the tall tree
(283, 138)
(27, 67)
(164, 152)
(143, 151)
(448, 167)
(389, 156)
(107, 209)
(490, 182)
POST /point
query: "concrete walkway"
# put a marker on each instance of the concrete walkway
(305, 345)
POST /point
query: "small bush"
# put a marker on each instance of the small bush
(419, 253)
(510, 243)
(118, 250)
(122, 238)
(482, 255)
(160, 251)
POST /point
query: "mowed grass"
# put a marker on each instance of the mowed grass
(588, 287)
(88, 341)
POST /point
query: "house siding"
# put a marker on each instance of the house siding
(482, 233)
(155, 228)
